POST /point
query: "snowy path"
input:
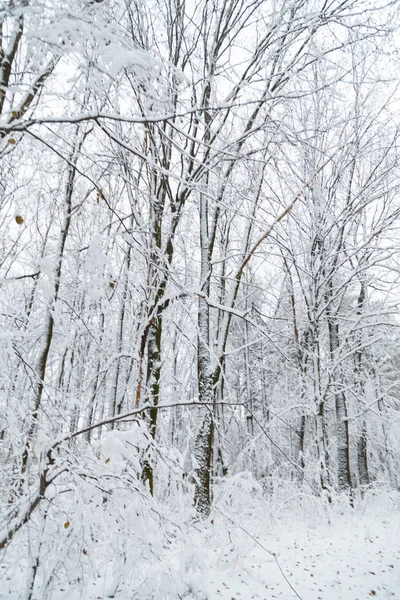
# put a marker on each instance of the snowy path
(355, 559)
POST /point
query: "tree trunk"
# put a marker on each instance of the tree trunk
(204, 439)
(342, 423)
(50, 322)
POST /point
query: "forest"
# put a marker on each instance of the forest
(199, 298)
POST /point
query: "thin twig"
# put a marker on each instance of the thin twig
(264, 548)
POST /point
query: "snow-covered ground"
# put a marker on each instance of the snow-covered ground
(249, 548)
(352, 559)
(354, 554)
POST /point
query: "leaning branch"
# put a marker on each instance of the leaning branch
(137, 411)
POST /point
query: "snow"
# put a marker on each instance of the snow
(249, 548)
(353, 557)
(350, 559)
(275, 304)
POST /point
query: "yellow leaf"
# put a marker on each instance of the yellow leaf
(19, 219)
(67, 524)
(11, 141)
